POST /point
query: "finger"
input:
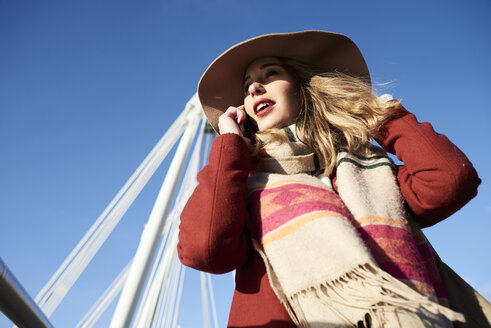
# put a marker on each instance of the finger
(231, 111)
(241, 115)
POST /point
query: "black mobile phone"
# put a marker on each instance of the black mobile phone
(249, 129)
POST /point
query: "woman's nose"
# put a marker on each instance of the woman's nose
(256, 88)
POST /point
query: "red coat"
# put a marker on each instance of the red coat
(436, 180)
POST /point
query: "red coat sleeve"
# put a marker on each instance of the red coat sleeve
(212, 233)
(436, 179)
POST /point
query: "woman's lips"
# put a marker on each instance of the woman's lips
(265, 111)
(263, 106)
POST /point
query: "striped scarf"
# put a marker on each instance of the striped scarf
(342, 258)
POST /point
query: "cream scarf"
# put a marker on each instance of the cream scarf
(309, 237)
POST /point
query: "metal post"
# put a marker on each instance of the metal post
(17, 304)
(204, 301)
(179, 295)
(151, 234)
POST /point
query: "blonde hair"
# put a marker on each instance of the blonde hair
(338, 112)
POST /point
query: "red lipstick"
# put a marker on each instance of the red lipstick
(263, 106)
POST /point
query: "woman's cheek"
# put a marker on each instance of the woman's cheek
(248, 108)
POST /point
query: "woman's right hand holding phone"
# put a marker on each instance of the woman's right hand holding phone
(231, 120)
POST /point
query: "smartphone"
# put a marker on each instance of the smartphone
(248, 129)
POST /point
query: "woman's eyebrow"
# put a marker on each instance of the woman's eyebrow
(263, 66)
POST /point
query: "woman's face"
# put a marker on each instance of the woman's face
(271, 94)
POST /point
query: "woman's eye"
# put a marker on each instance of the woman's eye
(271, 73)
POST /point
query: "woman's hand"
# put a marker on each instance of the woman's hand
(230, 121)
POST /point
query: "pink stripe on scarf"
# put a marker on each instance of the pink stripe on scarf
(395, 252)
(429, 262)
(284, 215)
(287, 202)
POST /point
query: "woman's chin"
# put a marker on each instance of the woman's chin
(273, 124)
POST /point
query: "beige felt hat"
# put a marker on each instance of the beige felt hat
(221, 84)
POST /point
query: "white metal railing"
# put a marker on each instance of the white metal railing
(17, 304)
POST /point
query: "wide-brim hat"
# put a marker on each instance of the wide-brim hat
(221, 86)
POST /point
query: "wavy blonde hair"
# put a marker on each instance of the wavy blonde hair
(338, 112)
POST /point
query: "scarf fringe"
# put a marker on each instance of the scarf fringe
(353, 293)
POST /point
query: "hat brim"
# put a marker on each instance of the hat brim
(221, 85)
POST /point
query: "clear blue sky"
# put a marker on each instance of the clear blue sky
(88, 87)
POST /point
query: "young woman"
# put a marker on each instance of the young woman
(321, 226)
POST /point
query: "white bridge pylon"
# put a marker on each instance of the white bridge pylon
(159, 306)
